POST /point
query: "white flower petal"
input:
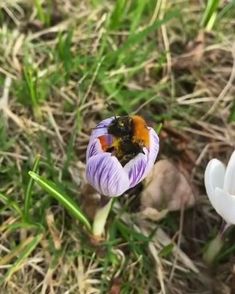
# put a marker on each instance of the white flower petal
(229, 179)
(214, 177)
(225, 205)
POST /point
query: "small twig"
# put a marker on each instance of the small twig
(4, 103)
(14, 155)
(178, 243)
(11, 15)
(100, 32)
(92, 80)
(5, 95)
(159, 269)
(165, 38)
(156, 12)
(55, 126)
(225, 89)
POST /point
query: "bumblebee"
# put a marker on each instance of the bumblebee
(130, 135)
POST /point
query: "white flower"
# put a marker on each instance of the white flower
(220, 187)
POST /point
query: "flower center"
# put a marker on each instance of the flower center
(124, 148)
(126, 138)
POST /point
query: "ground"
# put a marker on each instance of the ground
(64, 66)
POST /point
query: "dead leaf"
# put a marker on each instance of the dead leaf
(176, 142)
(78, 173)
(116, 286)
(193, 54)
(55, 234)
(151, 214)
(167, 188)
(90, 200)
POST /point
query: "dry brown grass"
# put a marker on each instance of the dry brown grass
(189, 80)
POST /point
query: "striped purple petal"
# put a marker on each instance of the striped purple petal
(102, 128)
(136, 168)
(105, 173)
(139, 167)
(95, 145)
(94, 148)
(153, 150)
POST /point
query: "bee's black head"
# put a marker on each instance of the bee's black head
(121, 126)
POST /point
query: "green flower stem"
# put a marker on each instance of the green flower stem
(216, 244)
(100, 219)
(213, 249)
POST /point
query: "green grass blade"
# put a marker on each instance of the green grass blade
(65, 200)
(140, 36)
(23, 225)
(159, 128)
(137, 14)
(117, 14)
(10, 203)
(228, 8)
(232, 113)
(14, 252)
(44, 13)
(29, 79)
(210, 13)
(31, 83)
(40, 12)
(28, 198)
(64, 51)
(22, 257)
(166, 250)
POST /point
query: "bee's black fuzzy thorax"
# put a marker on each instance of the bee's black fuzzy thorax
(121, 126)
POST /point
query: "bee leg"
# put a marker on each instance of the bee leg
(110, 149)
(142, 151)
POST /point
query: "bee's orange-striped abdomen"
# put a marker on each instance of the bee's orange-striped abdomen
(141, 131)
(106, 142)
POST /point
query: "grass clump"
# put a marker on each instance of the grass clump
(61, 64)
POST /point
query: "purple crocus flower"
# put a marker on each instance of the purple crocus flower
(103, 169)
